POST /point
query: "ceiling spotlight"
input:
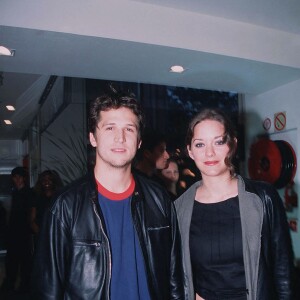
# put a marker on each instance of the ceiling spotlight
(177, 69)
(7, 52)
(7, 122)
(10, 107)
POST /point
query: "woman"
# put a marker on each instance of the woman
(236, 242)
(170, 178)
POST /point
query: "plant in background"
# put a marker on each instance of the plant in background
(70, 158)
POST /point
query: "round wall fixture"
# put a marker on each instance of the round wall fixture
(272, 161)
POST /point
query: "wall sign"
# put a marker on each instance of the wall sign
(280, 121)
(267, 124)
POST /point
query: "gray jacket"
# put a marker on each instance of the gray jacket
(267, 246)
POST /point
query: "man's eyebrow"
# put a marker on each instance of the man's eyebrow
(132, 124)
(109, 123)
(114, 123)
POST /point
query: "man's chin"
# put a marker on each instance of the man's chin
(121, 165)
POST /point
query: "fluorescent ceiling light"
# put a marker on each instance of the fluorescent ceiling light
(177, 69)
(7, 122)
(10, 107)
(7, 52)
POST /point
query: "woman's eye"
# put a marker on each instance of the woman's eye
(108, 128)
(220, 142)
(130, 129)
(199, 145)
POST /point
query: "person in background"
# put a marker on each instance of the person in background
(170, 177)
(47, 185)
(235, 235)
(19, 243)
(113, 233)
(152, 155)
(3, 226)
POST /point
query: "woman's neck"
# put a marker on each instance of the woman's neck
(216, 189)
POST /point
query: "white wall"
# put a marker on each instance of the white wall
(257, 108)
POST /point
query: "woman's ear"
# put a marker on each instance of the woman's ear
(188, 148)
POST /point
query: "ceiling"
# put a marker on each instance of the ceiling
(138, 41)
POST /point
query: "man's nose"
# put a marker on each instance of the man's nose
(120, 136)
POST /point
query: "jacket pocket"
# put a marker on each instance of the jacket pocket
(88, 268)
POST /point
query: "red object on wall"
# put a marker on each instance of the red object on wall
(272, 161)
(290, 197)
(265, 161)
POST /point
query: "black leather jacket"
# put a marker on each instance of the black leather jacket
(73, 259)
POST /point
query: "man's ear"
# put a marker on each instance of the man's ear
(190, 152)
(92, 139)
(139, 144)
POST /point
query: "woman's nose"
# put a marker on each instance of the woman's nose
(209, 151)
(166, 155)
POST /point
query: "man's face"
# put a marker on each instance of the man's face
(160, 156)
(19, 181)
(116, 138)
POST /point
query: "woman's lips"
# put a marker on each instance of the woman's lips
(211, 163)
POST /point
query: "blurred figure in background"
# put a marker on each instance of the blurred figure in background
(170, 177)
(3, 225)
(48, 183)
(19, 254)
(152, 155)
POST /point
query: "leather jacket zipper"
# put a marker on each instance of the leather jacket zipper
(109, 254)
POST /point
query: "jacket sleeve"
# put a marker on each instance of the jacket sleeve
(50, 259)
(177, 275)
(281, 246)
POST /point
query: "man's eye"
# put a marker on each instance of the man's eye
(130, 129)
(108, 128)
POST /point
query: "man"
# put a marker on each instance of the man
(113, 234)
(152, 155)
(19, 257)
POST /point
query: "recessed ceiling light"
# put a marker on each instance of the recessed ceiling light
(7, 122)
(10, 107)
(6, 51)
(177, 69)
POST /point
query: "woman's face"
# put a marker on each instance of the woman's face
(47, 182)
(171, 174)
(209, 149)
